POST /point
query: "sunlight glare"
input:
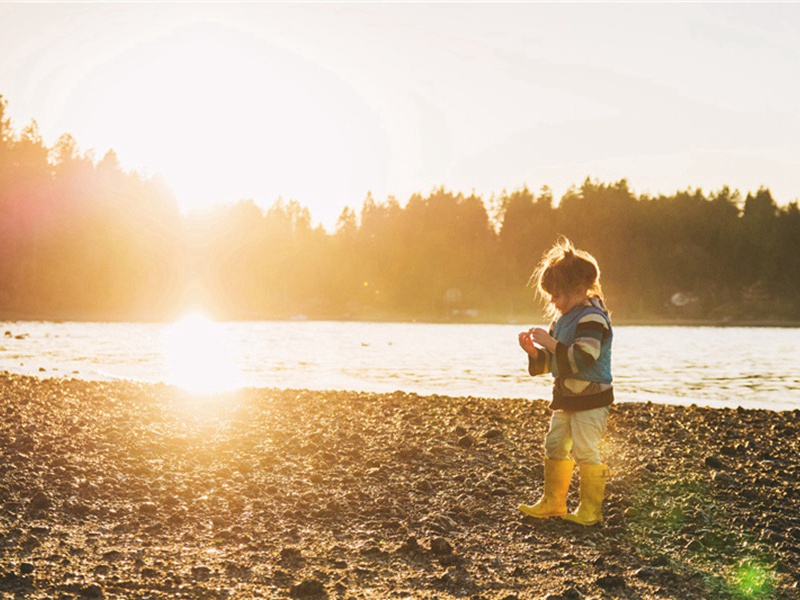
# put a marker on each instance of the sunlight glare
(198, 357)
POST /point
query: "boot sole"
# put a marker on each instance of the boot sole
(539, 515)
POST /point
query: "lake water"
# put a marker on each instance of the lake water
(707, 366)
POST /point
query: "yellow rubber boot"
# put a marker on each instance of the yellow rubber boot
(593, 489)
(553, 503)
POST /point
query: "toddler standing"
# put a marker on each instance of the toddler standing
(577, 351)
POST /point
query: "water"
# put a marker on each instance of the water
(707, 366)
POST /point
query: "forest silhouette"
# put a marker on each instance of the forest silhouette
(81, 238)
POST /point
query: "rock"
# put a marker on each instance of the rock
(307, 588)
(41, 501)
(201, 573)
(148, 508)
(722, 478)
(425, 486)
(410, 545)
(493, 435)
(92, 591)
(714, 462)
(291, 554)
(466, 441)
(441, 546)
(646, 573)
(26, 568)
(610, 582)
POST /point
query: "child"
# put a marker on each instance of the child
(577, 351)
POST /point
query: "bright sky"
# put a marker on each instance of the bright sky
(322, 103)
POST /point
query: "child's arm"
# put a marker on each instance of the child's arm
(590, 332)
(538, 358)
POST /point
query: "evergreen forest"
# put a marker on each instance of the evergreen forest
(81, 238)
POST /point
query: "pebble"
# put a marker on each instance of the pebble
(307, 588)
(723, 478)
(466, 441)
(441, 546)
(493, 434)
(608, 582)
(714, 462)
(92, 591)
(41, 501)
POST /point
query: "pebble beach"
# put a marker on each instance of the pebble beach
(131, 490)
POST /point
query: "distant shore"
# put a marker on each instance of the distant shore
(20, 316)
(120, 490)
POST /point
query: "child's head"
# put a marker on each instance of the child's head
(566, 273)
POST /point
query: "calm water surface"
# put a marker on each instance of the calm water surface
(751, 367)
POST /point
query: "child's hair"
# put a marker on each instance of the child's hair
(565, 269)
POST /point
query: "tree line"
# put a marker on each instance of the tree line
(81, 238)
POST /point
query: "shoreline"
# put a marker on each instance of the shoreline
(119, 490)
(621, 398)
(12, 317)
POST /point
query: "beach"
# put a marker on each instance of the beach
(133, 490)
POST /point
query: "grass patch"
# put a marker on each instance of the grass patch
(678, 520)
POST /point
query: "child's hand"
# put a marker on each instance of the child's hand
(526, 343)
(544, 339)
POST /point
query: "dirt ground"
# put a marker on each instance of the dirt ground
(127, 490)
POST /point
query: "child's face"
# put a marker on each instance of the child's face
(566, 301)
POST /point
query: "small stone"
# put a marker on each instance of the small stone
(201, 573)
(148, 508)
(92, 591)
(722, 478)
(112, 556)
(26, 568)
(466, 441)
(714, 462)
(645, 573)
(410, 545)
(41, 501)
(291, 554)
(307, 588)
(425, 486)
(608, 582)
(493, 434)
(441, 546)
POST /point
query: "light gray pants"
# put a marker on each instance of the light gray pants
(578, 432)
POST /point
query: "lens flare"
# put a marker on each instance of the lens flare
(752, 580)
(198, 357)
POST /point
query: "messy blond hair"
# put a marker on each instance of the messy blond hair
(565, 269)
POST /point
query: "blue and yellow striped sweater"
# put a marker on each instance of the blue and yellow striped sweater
(581, 364)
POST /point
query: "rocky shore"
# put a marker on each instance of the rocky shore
(126, 490)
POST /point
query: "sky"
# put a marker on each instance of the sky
(324, 103)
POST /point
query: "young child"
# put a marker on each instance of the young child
(577, 351)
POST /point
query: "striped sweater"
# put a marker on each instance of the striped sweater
(581, 364)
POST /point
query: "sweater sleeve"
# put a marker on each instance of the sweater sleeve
(541, 364)
(590, 332)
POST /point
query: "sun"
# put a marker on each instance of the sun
(198, 356)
